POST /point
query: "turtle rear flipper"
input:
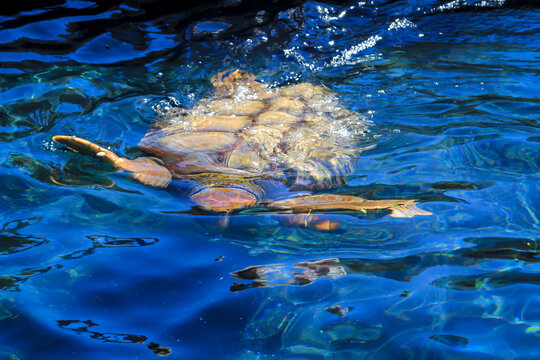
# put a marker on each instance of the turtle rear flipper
(306, 204)
(143, 169)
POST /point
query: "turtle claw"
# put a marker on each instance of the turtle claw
(143, 169)
(407, 211)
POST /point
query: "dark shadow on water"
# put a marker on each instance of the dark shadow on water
(26, 118)
(103, 241)
(484, 281)
(13, 281)
(405, 268)
(127, 23)
(76, 172)
(88, 327)
(11, 241)
(451, 340)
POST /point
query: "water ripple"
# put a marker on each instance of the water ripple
(451, 89)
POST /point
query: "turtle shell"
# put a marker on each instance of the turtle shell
(298, 132)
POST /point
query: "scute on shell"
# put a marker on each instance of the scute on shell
(247, 126)
(211, 141)
(216, 123)
(231, 107)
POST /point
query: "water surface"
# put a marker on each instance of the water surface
(109, 268)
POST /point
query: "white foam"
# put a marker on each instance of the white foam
(401, 24)
(346, 57)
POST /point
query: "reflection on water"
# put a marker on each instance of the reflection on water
(99, 241)
(450, 88)
(13, 282)
(285, 312)
(11, 241)
(84, 327)
(450, 340)
(401, 269)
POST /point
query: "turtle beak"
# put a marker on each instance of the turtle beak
(223, 199)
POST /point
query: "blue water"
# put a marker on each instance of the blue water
(109, 268)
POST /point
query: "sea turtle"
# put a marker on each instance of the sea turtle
(252, 145)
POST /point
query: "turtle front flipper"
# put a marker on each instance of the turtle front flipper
(400, 208)
(144, 169)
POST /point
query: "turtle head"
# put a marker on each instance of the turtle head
(224, 199)
(227, 81)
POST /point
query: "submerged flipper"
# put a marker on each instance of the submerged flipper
(319, 222)
(144, 169)
(400, 208)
